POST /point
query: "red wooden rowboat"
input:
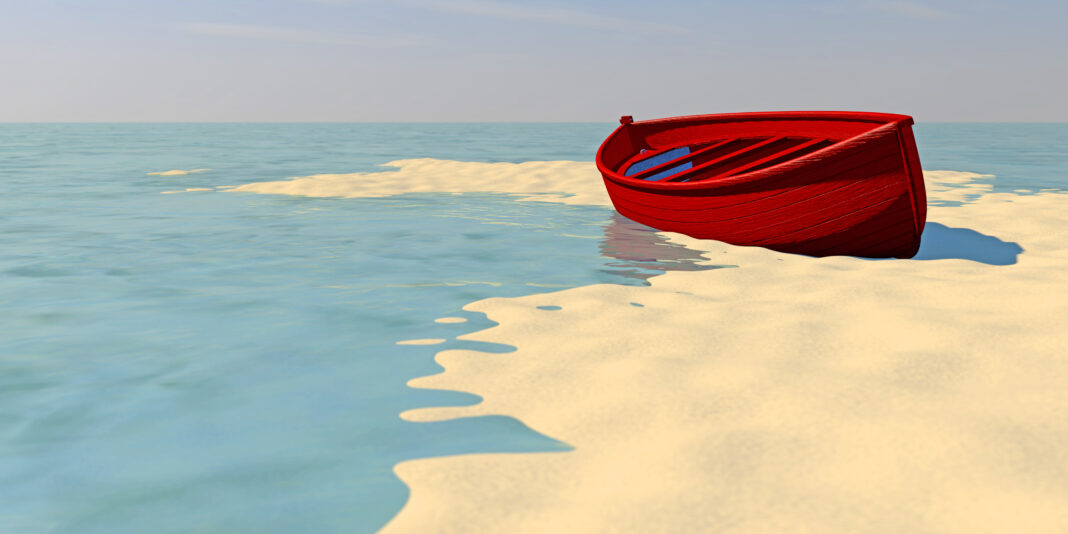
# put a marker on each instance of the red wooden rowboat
(820, 183)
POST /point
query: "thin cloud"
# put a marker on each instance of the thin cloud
(331, 2)
(294, 35)
(548, 15)
(911, 10)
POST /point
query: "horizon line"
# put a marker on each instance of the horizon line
(613, 121)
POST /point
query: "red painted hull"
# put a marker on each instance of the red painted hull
(813, 183)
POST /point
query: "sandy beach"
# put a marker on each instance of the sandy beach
(782, 394)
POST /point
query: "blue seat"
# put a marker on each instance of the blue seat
(662, 157)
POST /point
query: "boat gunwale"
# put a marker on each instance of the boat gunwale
(888, 123)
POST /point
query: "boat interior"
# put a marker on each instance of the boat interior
(718, 158)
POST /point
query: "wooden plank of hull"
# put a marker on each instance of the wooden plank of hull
(875, 168)
(869, 218)
(894, 239)
(799, 215)
(805, 217)
(877, 174)
(878, 231)
(808, 221)
(912, 161)
(839, 157)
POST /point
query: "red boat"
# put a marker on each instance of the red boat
(820, 183)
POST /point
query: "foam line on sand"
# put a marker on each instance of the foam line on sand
(790, 394)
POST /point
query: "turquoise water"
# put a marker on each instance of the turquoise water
(1020, 155)
(227, 362)
(222, 362)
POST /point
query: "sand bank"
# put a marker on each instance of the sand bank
(570, 182)
(790, 394)
(450, 320)
(426, 341)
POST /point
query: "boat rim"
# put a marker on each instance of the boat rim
(889, 121)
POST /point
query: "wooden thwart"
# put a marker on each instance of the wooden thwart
(761, 161)
(723, 159)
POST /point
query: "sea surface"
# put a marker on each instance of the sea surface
(229, 362)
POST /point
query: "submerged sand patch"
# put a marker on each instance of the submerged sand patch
(177, 172)
(187, 190)
(450, 320)
(789, 394)
(956, 186)
(427, 341)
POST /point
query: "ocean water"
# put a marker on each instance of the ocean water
(1030, 156)
(227, 362)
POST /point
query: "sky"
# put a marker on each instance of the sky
(507, 60)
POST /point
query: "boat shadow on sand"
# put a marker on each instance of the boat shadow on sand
(642, 252)
(941, 242)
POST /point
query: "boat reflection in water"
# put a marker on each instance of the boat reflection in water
(643, 253)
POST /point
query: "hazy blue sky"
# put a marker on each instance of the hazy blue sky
(498, 60)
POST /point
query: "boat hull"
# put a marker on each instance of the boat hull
(861, 196)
